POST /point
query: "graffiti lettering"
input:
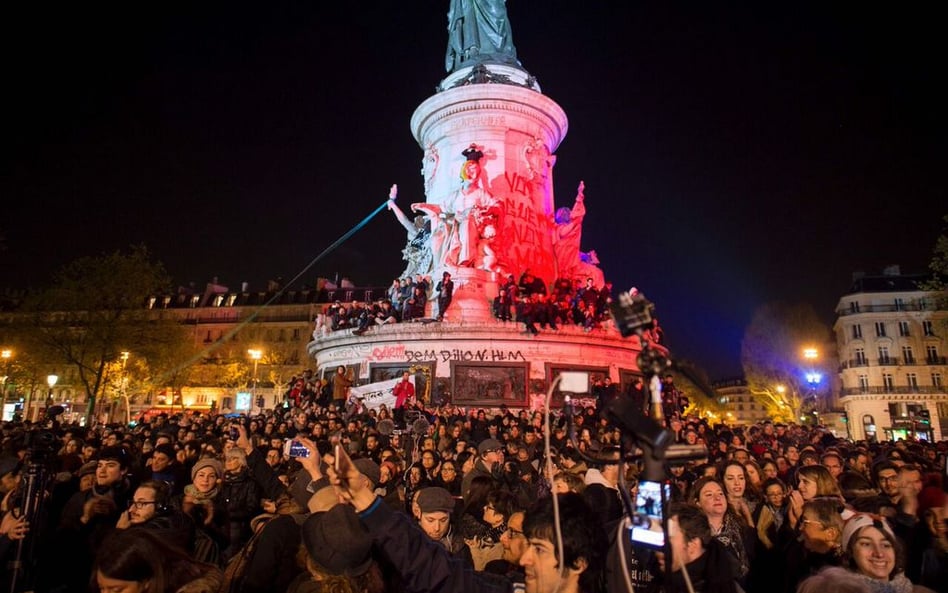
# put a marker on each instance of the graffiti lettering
(419, 355)
(482, 355)
(516, 183)
(388, 353)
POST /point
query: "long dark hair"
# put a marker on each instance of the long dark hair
(139, 555)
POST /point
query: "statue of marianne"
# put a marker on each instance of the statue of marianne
(479, 32)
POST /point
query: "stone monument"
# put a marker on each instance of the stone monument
(489, 137)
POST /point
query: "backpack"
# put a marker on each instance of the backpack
(235, 569)
(206, 549)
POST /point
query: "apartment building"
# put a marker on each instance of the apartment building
(891, 338)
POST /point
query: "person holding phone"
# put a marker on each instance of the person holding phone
(425, 565)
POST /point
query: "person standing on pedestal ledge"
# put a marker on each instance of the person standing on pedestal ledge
(404, 392)
(445, 290)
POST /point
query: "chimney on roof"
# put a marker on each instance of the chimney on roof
(892, 270)
(857, 276)
(244, 286)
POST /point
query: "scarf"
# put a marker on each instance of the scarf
(201, 497)
(899, 584)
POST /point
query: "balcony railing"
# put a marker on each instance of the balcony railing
(901, 390)
(844, 311)
(854, 363)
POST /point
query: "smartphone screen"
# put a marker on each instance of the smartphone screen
(648, 520)
(295, 448)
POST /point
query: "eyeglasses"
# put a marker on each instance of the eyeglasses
(511, 532)
(140, 504)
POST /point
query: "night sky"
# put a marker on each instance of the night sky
(733, 155)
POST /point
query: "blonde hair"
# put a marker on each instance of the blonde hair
(238, 454)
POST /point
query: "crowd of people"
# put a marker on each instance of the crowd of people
(577, 302)
(527, 300)
(315, 497)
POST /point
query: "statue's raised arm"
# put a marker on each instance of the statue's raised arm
(413, 228)
(479, 32)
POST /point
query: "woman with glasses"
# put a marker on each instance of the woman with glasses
(448, 478)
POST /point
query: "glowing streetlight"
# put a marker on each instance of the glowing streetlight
(255, 355)
(51, 381)
(811, 353)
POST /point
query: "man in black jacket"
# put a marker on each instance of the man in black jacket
(425, 566)
(445, 290)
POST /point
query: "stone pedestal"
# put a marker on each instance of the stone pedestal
(518, 129)
(473, 291)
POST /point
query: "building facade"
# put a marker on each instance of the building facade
(891, 337)
(739, 405)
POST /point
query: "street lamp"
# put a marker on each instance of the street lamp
(51, 381)
(811, 353)
(255, 355)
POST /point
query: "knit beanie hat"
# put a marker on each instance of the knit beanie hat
(208, 462)
(855, 524)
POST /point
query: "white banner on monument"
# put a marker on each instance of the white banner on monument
(375, 395)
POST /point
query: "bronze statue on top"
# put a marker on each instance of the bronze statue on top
(479, 32)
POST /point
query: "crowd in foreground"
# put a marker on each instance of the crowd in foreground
(314, 499)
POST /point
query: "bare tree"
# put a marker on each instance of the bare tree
(772, 354)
